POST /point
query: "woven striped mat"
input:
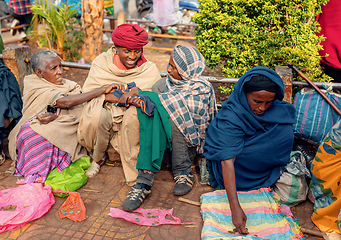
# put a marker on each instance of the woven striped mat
(266, 219)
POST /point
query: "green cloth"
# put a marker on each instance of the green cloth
(155, 135)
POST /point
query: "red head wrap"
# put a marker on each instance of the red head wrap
(130, 36)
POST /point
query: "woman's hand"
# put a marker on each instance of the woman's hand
(239, 219)
(238, 215)
(114, 87)
(109, 97)
(135, 101)
(46, 117)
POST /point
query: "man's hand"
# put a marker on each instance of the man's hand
(46, 117)
(133, 91)
(109, 97)
(114, 87)
(135, 101)
(239, 219)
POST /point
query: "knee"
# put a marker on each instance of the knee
(105, 120)
(130, 117)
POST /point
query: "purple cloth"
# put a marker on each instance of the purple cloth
(37, 156)
(165, 12)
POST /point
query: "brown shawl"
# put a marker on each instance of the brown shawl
(104, 72)
(62, 132)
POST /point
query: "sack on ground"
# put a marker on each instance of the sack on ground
(314, 116)
(23, 204)
(70, 179)
(292, 186)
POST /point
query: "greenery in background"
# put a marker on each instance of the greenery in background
(237, 35)
(58, 32)
(74, 42)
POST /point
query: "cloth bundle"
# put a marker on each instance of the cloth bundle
(147, 105)
(265, 219)
(314, 116)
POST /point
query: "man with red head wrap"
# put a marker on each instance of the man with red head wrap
(104, 124)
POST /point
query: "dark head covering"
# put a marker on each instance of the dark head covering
(130, 36)
(260, 83)
(261, 144)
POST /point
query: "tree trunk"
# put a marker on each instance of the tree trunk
(92, 24)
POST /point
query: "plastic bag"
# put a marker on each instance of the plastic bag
(292, 186)
(147, 217)
(70, 179)
(73, 208)
(23, 204)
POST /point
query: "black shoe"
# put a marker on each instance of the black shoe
(183, 184)
(135, 198)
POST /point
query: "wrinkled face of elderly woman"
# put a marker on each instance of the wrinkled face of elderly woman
(52, 72)
(259, 101)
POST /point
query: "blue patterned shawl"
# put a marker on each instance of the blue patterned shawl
(190, 102)
(261, 144)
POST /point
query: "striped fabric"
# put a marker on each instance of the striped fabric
(190, 102)
(314, 116)
(37, 156)
(264, 217)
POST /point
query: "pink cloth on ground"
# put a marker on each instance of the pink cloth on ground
(150, 217)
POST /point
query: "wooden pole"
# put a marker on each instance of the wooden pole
(181, 199)
(315, 87)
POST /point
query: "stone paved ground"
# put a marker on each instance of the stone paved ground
(108, 189)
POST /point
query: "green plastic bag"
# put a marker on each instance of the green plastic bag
(70, 179)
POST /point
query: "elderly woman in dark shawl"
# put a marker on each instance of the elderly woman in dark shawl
(251, 138)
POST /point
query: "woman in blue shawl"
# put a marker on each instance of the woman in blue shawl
(251, 138)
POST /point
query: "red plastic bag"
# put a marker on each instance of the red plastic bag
(73, 208)
(23, 204)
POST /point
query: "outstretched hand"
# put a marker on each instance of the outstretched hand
(109, 97)
(46, 117)
(114, 87)
(239, 220)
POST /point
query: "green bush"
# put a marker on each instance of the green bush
(237, 35)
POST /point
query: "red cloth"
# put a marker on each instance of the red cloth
(330, 21)
(130, 36)
(118, 63)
